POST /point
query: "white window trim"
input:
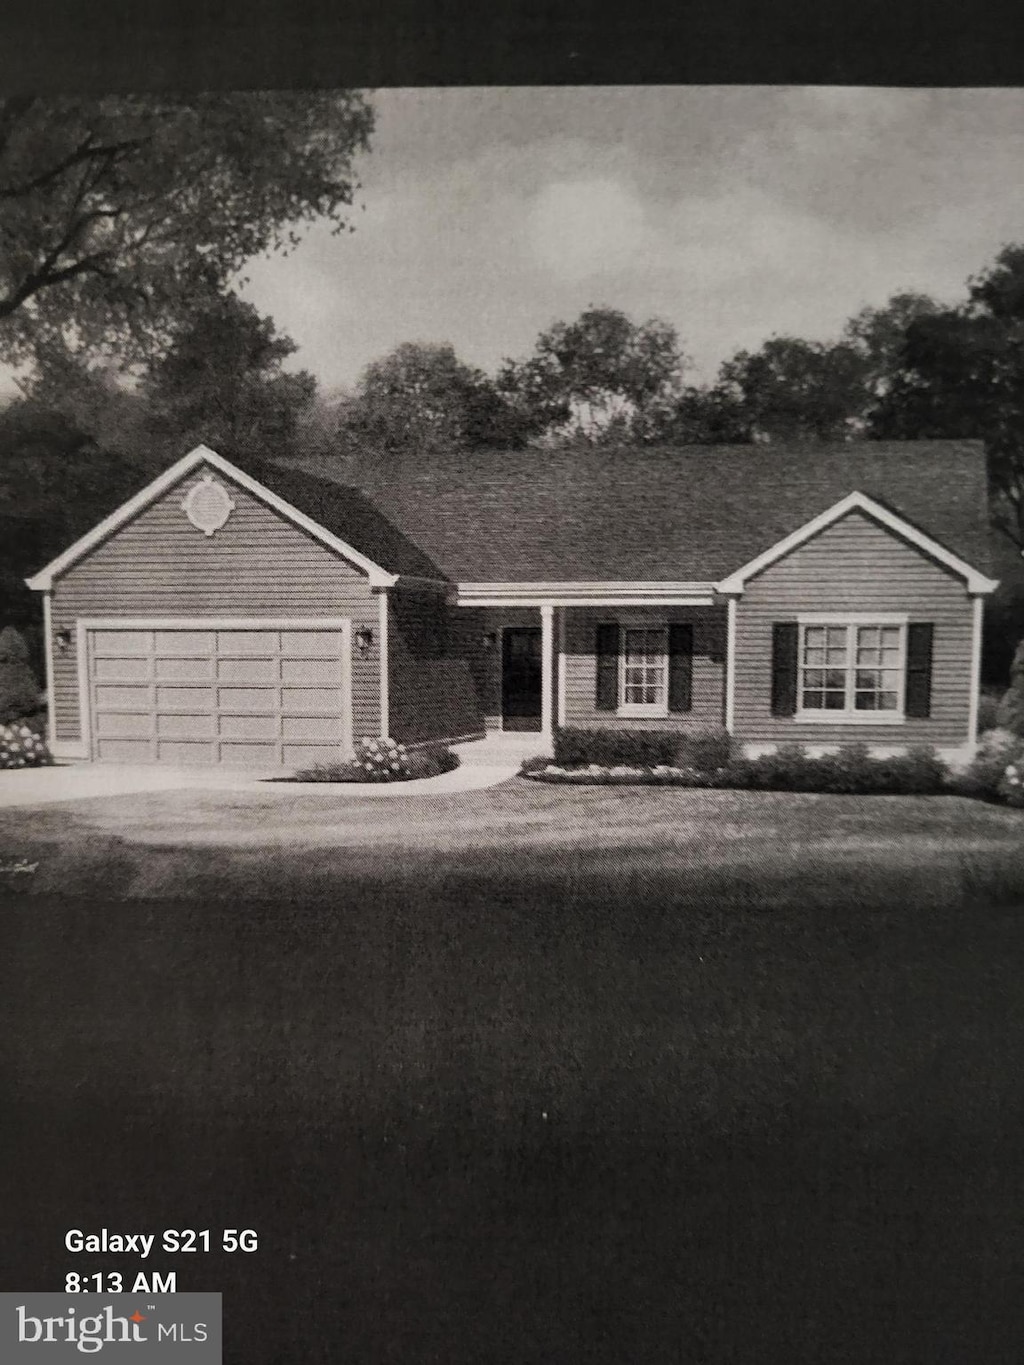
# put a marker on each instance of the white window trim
(849, 716)
(657, 710)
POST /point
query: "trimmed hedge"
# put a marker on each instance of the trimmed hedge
(704, 750)
(851, 770)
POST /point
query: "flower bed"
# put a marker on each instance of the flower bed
(381, 760)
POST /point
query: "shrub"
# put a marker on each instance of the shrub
(706, 750)
(851, 770)
(1010, 715)
(988, 712)
(997, 750)
(432, 762)
(19, 691)
(382, 760)
(21, 746)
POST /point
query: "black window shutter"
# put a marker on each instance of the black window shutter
(918, 701)
(785, 642)
(607, 650)
(680, 667)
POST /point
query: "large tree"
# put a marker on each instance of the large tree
(118, 213)
(223, 383)
(598, 378)
(960, 373)
(421, 398)
(798, 390)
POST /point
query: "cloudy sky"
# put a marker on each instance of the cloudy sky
(733, 213)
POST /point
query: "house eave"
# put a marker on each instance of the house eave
(584, 594)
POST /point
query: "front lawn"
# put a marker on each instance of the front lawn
(534, 1074)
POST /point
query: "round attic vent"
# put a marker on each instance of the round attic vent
(207, 505)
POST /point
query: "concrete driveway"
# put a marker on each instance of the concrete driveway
(87, 781)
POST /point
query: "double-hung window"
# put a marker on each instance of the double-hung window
(851, 668)
(643, 671)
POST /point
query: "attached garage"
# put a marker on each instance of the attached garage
(260, 692)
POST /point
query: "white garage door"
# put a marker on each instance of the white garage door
(260, 695)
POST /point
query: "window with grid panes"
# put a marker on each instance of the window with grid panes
(855, 667)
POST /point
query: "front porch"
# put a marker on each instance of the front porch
(617, 660)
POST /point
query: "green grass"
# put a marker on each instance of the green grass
(534, 1074)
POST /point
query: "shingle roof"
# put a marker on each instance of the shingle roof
(694, 513)
(348, 513)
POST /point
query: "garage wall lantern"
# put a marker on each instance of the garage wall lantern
(364, 641)
(62, 639)
(489, 639)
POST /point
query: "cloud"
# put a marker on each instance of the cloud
(583, 228)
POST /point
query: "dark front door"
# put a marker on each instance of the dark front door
(520, 679)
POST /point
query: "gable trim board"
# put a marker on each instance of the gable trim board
(202, 455)
(859, 502)
(88, 625)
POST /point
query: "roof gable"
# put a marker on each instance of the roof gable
(858, 502)
(163, 483)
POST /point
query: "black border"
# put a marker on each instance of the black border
(113, 45)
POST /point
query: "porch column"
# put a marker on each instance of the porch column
(547, 670)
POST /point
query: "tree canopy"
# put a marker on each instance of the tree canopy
(596, 378)
(118, 214)
(422, 398)
(960, 373)
(223, 383)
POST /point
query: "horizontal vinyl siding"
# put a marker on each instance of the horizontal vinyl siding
(257, 564)
(708, 666)
(855, 566)
(432, 681)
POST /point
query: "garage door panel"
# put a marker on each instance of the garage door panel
(115, 669)
(249, 727)
(310, 672)
(248, 641)
(132, 725)
(184, 698)
(262, 700)
(127, 698)
(186, 726)
(248, 671)
(259, 697)
(312, 644)
(125, 750)
(185, 751)
(324, 699)
(122, 642)
(323, 729)
(184, 670)
(198, 642)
